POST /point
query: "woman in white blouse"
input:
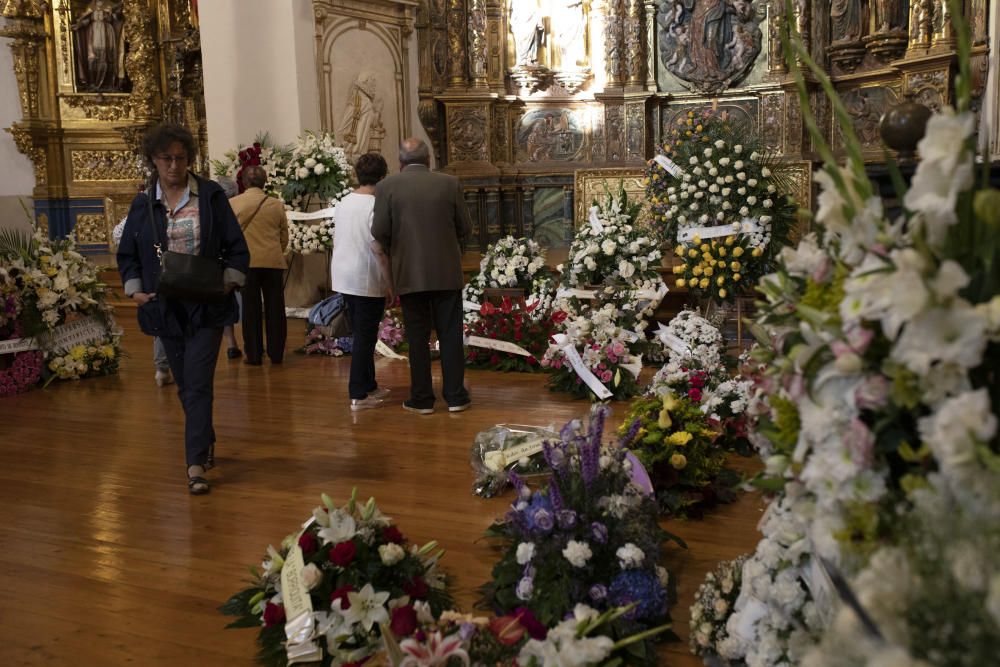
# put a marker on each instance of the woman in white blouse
(360, 271)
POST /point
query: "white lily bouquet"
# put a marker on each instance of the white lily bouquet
(306, 237)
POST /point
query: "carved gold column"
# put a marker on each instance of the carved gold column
(614, 42)
(650, 44)
(496, 43)
(456, 44)
(775, 50)
(477, 43)
(635, 56)
(921, 26)
(944, 33)
(141, 61)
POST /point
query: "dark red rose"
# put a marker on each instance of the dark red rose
(534, 627)
(495, 359)
(403, 621)
(342, 554)
(487, 308)
(391, 534)
(308, 543)
(518, 335)
(694, 394)
(532, 361)
(274, 614)
(341, 594)
(416, 588)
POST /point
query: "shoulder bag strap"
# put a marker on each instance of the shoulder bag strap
(253, 215)
(152, 221)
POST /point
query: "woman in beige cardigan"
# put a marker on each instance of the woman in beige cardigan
(265, 227)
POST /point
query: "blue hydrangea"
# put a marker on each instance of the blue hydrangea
(642, 588)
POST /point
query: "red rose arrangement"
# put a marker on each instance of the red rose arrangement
(512, 322)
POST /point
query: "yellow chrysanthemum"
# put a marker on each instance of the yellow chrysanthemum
(679, 251)
(705, 247)
(730, 240)
(703, 283)
(78, 352)
(709, 271)
(736, 277)
(738, 251)
(696, 240)
(697, 270)
(692, 253)
(678, 461)
(757, 252)
(735, 266)
(681, 282)
(108, 351)
(722, 293)
(722, 252)
(720, 281)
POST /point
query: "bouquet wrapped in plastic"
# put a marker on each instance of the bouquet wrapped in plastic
(504, 448)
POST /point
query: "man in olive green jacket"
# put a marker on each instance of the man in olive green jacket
(422, 223)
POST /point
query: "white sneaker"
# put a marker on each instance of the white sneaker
(380, 393)
(163, 378)
(366, 403)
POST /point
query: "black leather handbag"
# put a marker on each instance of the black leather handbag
(186, 277)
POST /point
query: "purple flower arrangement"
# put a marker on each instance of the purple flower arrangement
(22, 374)
(589, 537)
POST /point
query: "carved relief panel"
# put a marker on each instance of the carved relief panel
(552, 134)
(467, 140)
(364, 99)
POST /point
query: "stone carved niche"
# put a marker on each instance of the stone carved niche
(363, 61)
(710, 45)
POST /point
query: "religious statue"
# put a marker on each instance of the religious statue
(570, 27)
(709, 44)
(360, 129)
(845, 21)
(528, 31)
(99, 47)
(891, 15)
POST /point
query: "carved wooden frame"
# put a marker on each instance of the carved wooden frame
(589, 184)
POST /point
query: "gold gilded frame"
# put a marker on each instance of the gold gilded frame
(590, 184)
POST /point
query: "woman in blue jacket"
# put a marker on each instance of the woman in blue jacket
(192, 216)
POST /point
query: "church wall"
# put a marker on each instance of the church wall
(256, 56)
(18, 175)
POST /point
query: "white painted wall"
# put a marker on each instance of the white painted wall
(17, 176)
(259, 69)
(18, 173)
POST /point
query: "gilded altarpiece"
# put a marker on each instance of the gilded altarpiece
(93, 76)
(519, 95)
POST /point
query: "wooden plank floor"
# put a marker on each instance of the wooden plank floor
(106, 559)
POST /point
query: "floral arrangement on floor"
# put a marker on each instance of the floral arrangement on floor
(316, 170)
(589, 537)
(391, 330)
(698, 369)
(510, 263)
(515, 323)
(877, 416)
(263, 152)
(612, 247)
(360, 574)
(603, 349)
(306, 237)
(518, 638)
(48, 291)
(319, 343)
(713, 603)
(716, 194)
(679, 446)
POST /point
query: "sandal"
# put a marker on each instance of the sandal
(197, 485)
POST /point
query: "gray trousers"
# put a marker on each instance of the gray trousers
(160, 356)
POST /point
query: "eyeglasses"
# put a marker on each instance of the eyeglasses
(171, 159)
